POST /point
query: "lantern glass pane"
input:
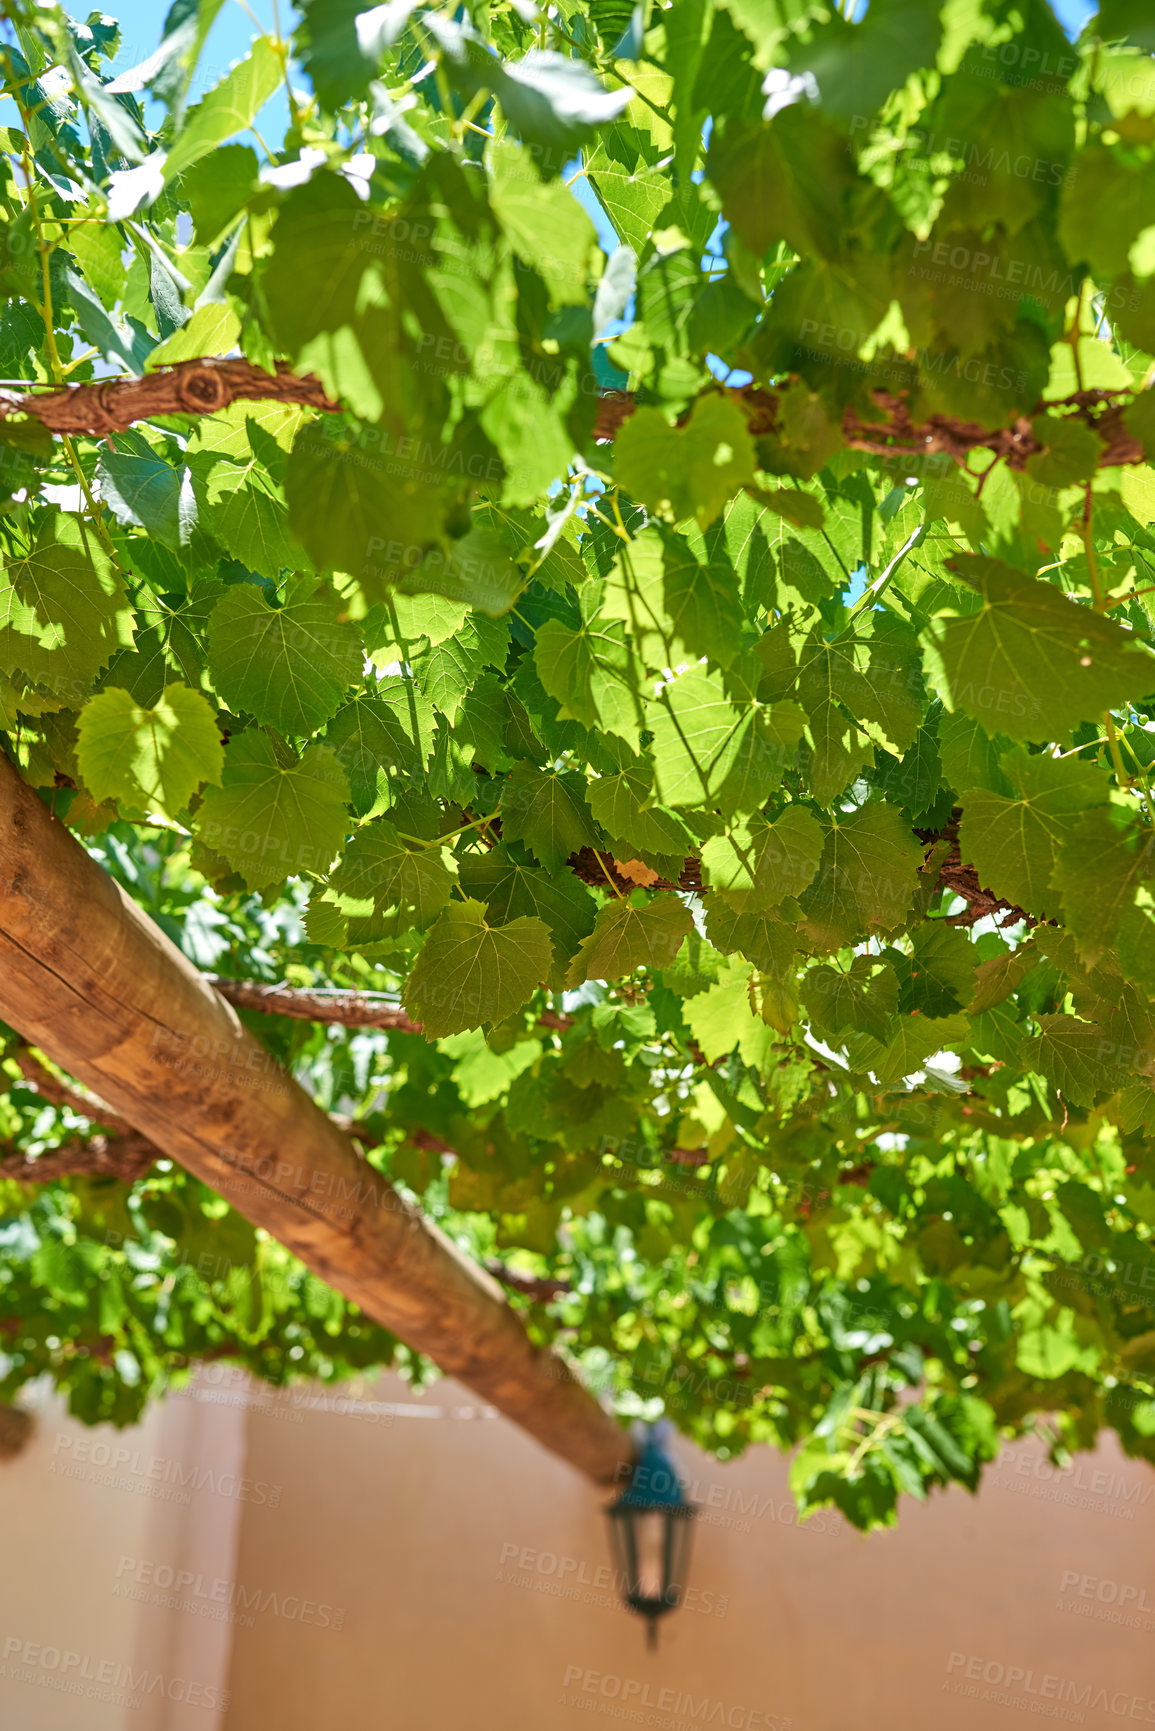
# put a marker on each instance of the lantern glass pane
(621, 1534)
(680, 1528)
(651, 1553)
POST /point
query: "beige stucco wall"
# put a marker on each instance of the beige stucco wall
(441, 1536)
(391, 1561)
(82, 1643)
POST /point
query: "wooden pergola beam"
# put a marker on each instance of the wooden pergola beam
(87, 978)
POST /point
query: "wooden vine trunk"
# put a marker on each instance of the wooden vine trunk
(89, 979)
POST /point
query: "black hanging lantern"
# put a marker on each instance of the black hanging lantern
(650, 1534)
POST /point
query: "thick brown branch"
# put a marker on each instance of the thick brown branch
(601, 871)
(127, 1157)
(202, 387)
(895, 434)
(539, 1288)
(315, 1004)
(348, 1009)
(189, 388)
(61, 1093)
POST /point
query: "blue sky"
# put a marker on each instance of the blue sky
(1074, 14)
(141, 21)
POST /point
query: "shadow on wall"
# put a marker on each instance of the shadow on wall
(16, 1427)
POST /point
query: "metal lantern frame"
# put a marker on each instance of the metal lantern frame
(653, 1494)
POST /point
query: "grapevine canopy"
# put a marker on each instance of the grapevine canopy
(662, 591)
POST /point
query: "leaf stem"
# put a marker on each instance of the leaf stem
(48, 317)
(870, 596)
(1123, 599)
(1086, 531)
(608, 875)
(420, 842)
(1141, 776)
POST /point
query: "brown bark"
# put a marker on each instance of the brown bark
(189, 388)
(95, 985)
(202, 387)
(348, 1009)
(127, 1157)
(60, 1094)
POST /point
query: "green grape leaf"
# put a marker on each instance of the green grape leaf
(875, 675)
(229, 107)
(546, 226)
(592, 675)
(512, 887)
(702, 603)
(376, 738)
(1077, 1057)
(1099, 875)
(470, 974)
(217, 187)
(271, 819)
(1029, 662)
(624, 806)
(687, 471)
(1014, 843)
(786, 856)
(236, 462)
(862, 998)
(634, 199)
(696, 729)
(478, 571)
(395, 871)
(866, 878)
(351, 514)
(722, 1019)
(628, 937)
(139, 487)
(709, 749)
(446, 670)
(341, 42)
(149, 758)
(546, 810)
(289, 666)
(915, 1040)
(64, 610)
(838, 750)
